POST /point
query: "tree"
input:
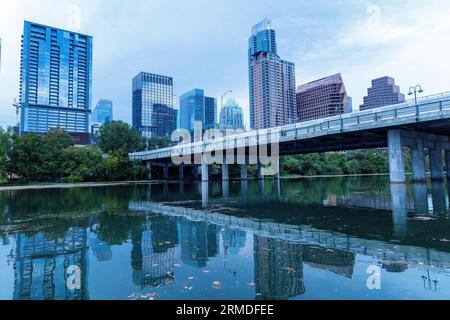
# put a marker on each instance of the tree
(5, 146)
(116, 135)
(158, 143)
(81, 164)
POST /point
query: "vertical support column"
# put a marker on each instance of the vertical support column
(418, 162)
(276, 167)
(166, 171)
(205, 170)
(438, 194)
(149, 169)
(436, 164)
(181, 172)
(447, 160)
(396, 159)
(244, 172)
(205, 194)
(260, 174)
(420, 193)
(225, 171)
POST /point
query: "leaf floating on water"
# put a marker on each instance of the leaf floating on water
(205, 271)
(217, 285)
(191, 278)
(177, 265)
(252, 284)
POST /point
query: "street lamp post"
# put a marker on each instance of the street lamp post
(414, 90)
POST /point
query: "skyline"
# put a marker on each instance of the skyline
(363, 40)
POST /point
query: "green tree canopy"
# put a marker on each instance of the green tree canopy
(116, 135)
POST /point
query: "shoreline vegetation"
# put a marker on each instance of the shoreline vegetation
(39, 161)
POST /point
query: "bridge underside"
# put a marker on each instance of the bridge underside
(346, 141)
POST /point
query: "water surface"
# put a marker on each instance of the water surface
(288, 239)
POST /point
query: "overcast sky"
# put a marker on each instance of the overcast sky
(203, 43)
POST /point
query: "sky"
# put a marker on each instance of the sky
(204, 43)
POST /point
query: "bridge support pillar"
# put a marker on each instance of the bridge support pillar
(447, 160)
(244, 172)
(260, 171)
(166, 171)
(418, 162)
(225, 171)
(396, 159)
(436, 164)
(276, 166)
(205, 170)
(181, 172)
(149, 170)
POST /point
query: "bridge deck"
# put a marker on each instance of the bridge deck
(357, 130)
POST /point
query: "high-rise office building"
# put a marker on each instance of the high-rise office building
(271, 81)
(383, 92)
(153, 110)
(231, 117)
(103, 112)
(56, 81)
(322, 98)
(196, 107)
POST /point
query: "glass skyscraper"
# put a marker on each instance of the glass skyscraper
(196, 107)
(103, 112)
(271, 81)
(56, 81)
(154, 114)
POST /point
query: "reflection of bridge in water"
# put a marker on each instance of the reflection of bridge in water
(327, 245)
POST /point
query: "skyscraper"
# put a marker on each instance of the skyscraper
(271, 81)
(322, 98)
(56, 81)
(103, 111)
(153, 111)
(231, 117)
(383, 92)
(196, 107)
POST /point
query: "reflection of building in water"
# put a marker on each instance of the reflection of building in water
(101, 250)
(41, 263)
(153, 252)
(233, 240)
(199, 241)
(278, 268)
(334, 260)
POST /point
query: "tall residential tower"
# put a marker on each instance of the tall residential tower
(56, 81)
(271, 81)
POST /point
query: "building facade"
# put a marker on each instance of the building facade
(56, 81)
(271, 81)
(231, 117)
(103, 112)
(154, 114)
(196, 107)
(322, 98)
(383, 92)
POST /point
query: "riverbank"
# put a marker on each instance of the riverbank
(118, 183)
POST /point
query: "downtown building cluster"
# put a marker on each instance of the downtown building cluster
(56, 91)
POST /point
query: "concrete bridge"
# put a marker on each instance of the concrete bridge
(422, 127)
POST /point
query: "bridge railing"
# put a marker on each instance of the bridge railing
(428, 108)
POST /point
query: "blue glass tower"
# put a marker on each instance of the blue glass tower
(196, 107)
(103, 111)
(154, 114)
(56, 81)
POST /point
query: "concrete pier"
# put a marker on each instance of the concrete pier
(181, 172)
(396, 158)
(244, 172)
(149, 170)
(225, 171)
(418, 162)
(205, 170)
(436, 164)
